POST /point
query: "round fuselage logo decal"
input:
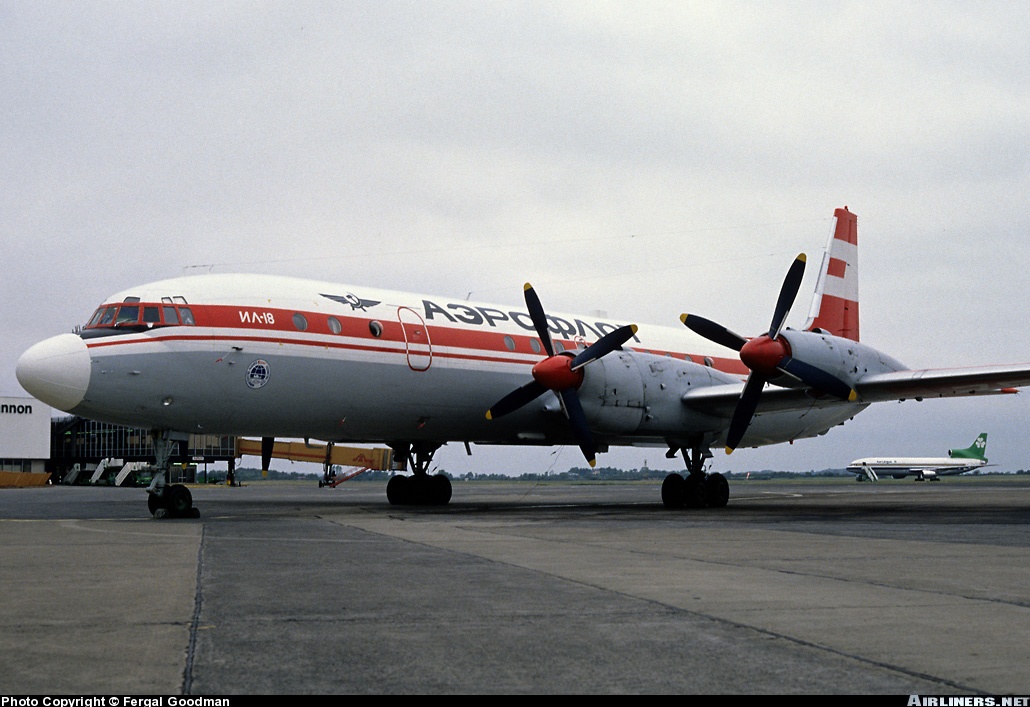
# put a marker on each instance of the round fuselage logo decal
(257, 374)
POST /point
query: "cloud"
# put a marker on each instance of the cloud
(640, 158)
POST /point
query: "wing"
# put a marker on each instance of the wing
(720, 400)
(943, 382)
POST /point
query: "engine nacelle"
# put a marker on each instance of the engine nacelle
(628, 392)
(842, 358)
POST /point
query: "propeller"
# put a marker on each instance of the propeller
(767, 356)
(561, 373)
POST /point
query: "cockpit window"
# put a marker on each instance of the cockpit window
(127, 316)
(171, 316)
(96, 317)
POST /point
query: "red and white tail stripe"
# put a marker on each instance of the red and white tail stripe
(835, 305)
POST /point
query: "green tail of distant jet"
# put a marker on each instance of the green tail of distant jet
(977, 450)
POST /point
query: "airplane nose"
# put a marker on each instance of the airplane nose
(56, 371)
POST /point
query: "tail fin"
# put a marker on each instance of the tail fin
(835, 304)
(977, 450)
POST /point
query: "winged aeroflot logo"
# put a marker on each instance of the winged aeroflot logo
(356, 303)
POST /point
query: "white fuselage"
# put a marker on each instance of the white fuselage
(900, 467)
(284, 357)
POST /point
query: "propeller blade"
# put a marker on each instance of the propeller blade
(713, 332)
(818, 378)
(744, 411)
(578, 422)
(516, 399)
(604, 346)
(536, 313)
(788, 291)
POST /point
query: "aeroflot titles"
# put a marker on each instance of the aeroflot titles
(478, 316)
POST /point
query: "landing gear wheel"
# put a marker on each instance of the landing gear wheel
(154, 503)
(718, 490)
(672, 491)
(694, 491)
(440, 494)
(419, 490)
(179, 501)
(397, 490)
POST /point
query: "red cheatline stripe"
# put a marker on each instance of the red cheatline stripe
(473, 353)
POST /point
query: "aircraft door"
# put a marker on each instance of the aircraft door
(416, 339)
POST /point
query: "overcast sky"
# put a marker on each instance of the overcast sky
(640, 158)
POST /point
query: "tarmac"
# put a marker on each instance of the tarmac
(808, 587)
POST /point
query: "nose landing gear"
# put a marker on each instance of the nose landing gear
(164, 501)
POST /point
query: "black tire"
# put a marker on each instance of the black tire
(154, 502)
(179, 501)
(672, 491)
(694, 491)
(718, 490)
(440, 490)
(397, 490)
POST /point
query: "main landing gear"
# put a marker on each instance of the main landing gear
(163, 500)
(697, 489)
(421, 488)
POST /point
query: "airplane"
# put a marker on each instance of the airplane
(270, 356)
(958, 461)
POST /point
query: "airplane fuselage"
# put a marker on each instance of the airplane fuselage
(900, 467)
(273, 356)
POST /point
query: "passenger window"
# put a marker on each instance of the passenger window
(509, 343)
(171, 316)
(187, 316)
(334, 325)
(151, 315)
(535, 345)
(300, 321)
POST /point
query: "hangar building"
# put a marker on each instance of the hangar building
(24, 437)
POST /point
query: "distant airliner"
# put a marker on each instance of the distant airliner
(958, 461)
